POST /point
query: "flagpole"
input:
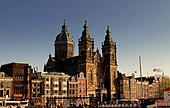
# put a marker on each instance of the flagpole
(140, 76)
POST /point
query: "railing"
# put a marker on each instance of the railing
(119, 106)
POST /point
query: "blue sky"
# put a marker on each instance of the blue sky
(28, 29)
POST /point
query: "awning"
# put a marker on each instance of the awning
(17, 95)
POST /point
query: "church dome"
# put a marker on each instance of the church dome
(64, 36)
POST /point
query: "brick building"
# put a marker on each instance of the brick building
(100, 71)
(20, 72)
(133, 88)
(82, 85)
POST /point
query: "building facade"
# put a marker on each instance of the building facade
(100, 71)
(20, 73)
(134, 88)
(82, 85)
(5, 87)
(55, 86)
(36, 88)
(72, 87)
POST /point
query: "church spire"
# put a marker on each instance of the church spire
(86, 34)
(108, 37)
(108, 31)
(85, 26)
(64, 27)
(86, 45)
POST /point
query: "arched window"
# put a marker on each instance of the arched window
(90, 76)
(114, 76)
(89, 52)
(113, 56)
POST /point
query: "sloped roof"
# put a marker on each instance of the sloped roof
(72, 61)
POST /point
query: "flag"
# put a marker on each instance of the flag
(159, 70)
(155, 70)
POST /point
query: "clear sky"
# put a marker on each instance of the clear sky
(28, 29)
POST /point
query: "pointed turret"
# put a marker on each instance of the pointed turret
(64, 27)
(108, 38)
(86, 34)
(97, 51)
(50, 66)
(86, 45)
(109, 48)
(109, 63)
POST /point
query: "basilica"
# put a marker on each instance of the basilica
(100, 70)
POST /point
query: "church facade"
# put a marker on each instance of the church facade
(100, 70)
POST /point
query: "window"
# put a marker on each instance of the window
(56, 85)
(114, 76)
(38, 90)
(47, 91)
(32, 85)
(39, 95)
(90, 77)
(47, 86)
(34, 90)
(60, 92)
(89, 52)
(34, 95)
(1, 93)
(113, 56)
(55, 91)
(76, 91)
(7, 92)
(2, 75)
(1, 84)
